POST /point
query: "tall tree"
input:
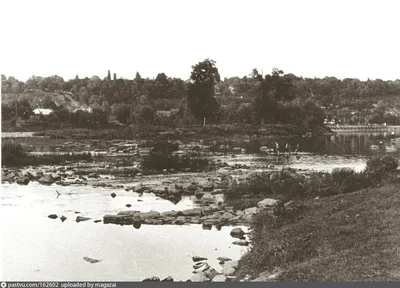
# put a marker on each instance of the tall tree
(201, 99)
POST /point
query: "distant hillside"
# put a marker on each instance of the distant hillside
(38, 98)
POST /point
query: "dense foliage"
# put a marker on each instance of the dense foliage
(272, 98)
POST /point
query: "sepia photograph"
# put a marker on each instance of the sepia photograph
(199, 141)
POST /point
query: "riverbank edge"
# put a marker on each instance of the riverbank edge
(349, 237)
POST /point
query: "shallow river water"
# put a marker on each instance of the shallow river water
(36, 247)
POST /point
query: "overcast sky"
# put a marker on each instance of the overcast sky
(349, 38)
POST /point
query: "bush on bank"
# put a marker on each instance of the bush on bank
(161, 158)
(288, 185)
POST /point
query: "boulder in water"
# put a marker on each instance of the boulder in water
(267, 202)
(241, 243)
(80, 219)
(229, 268)
(199, 277)
(91, 260)
(23, 180)
(237, 233)
(198, 258)
(63, 218)
(219, 278)
(168, 279)
(47, 180)
(53, 216)
(192, 212)
(152, 279)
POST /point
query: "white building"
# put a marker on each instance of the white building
(42, 111)
(83, 109)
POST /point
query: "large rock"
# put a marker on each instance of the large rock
(121, 219)
(267, 202)
(172, 213)
(152, 279)
(219, 278)
(241, 243)
(168, 279)
(198, 265)
(80, 219)
(247, 218)
(199, 277)
(198, 258)
(239, 213)
(206, 225)
(23, 180)
(237, 233)
(180, 220)
(191, 212)
(47, 180)
(250, 211)
(206, 211)
(53, 216)
(229, 268)
(210, 273)
(226, 216)
(149, 215)
(91, 260)
(202, 268)
(208, 186)
(128, 213)
(153, 221)
(192, 187)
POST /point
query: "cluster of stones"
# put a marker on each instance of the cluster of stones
(203, 272)
(213, 215)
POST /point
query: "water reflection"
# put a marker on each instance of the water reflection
(349, 143)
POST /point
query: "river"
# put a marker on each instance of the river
(35, 247)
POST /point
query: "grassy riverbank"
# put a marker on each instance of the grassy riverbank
(350, 237)
(350, 234)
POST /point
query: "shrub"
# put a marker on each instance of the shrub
(380, 168)
(12, 154)
(161, 158)
(256, 186)
(345, 180)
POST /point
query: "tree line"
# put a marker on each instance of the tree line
(206, 98)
